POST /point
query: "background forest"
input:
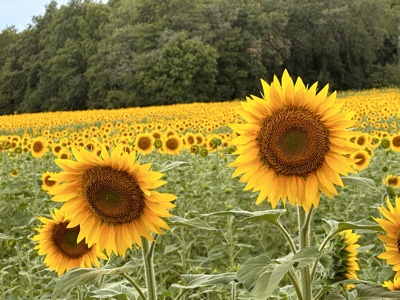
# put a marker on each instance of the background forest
(88, 55)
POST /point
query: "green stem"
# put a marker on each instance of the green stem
(181, 293)
(295, 281)
(304, 239)
(148, 251)
(135, 285)
(321, 248)
(233, 291)
(287, 236)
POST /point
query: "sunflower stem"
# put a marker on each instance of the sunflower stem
(181, 293)
(287, 236)
(304, 239)
(295, 281)
(148, 251)
(135, 285)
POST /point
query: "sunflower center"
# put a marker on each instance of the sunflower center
(144, 143)
(65, 240)
(49, 182)
(361, 158)
(37, 146)
(114, 196)
(293, 141)
(172, 144)
(396, 141)
(393, 181)
(398, 243)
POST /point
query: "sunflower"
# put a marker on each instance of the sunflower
(393, 286)
(173, 145)
(144, 143)
(391, 225)
(393, 181)
(111, 197)
(361, 160)
(395, 142)
(47, 183)
(293, 143)
(345, 257)
(58, 241)
(190, 139)
(38, 147)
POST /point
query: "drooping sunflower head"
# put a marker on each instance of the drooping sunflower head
(112, 198)
(292, 143)
(391, 225)
(58, 241)
(344, 254)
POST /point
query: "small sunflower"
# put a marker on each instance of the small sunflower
(395, 142)
(144, 143)
(345, 257)
(112, 198)
(38, 147)
(393, 181)
(292, 143)
(173, 145)
(392, 238)
(392, 285)
(47, 183)
(361, 160)
(59, 243)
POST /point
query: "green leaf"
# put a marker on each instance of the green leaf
(5, 237)
(267, 215)
(194, 280)
(375, 292)
(196, 222)
(359, 181)
(168, 165)
(335, 296)
(261, 276)
(79, 276)
(362, 224)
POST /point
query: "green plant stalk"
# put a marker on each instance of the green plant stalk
(294, 280)
(135, 285)
(181, 293)
(321, 248)
(287, 236)
(233, 291)
(304, 240)
(148, 252)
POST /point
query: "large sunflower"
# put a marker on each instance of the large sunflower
(111, 197)
(293, 143)
(392, 238)
(59, 243)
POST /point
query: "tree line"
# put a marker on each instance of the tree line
(123, 53)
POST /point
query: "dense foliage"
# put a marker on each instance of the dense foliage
(123, 53)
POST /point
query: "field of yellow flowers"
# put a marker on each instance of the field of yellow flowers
(198, 214)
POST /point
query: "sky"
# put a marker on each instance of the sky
(20, 12)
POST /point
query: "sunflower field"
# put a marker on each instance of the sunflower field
(291, 194)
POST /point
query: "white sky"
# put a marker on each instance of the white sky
(20, 12)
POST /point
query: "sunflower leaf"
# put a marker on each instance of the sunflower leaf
(375, 292)
(79, 276)
(202, 280)
(196, 222)
(362, 224)
(267, 215)
(335, 296)
(168, 165)
(359, 181)
(261, 276)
